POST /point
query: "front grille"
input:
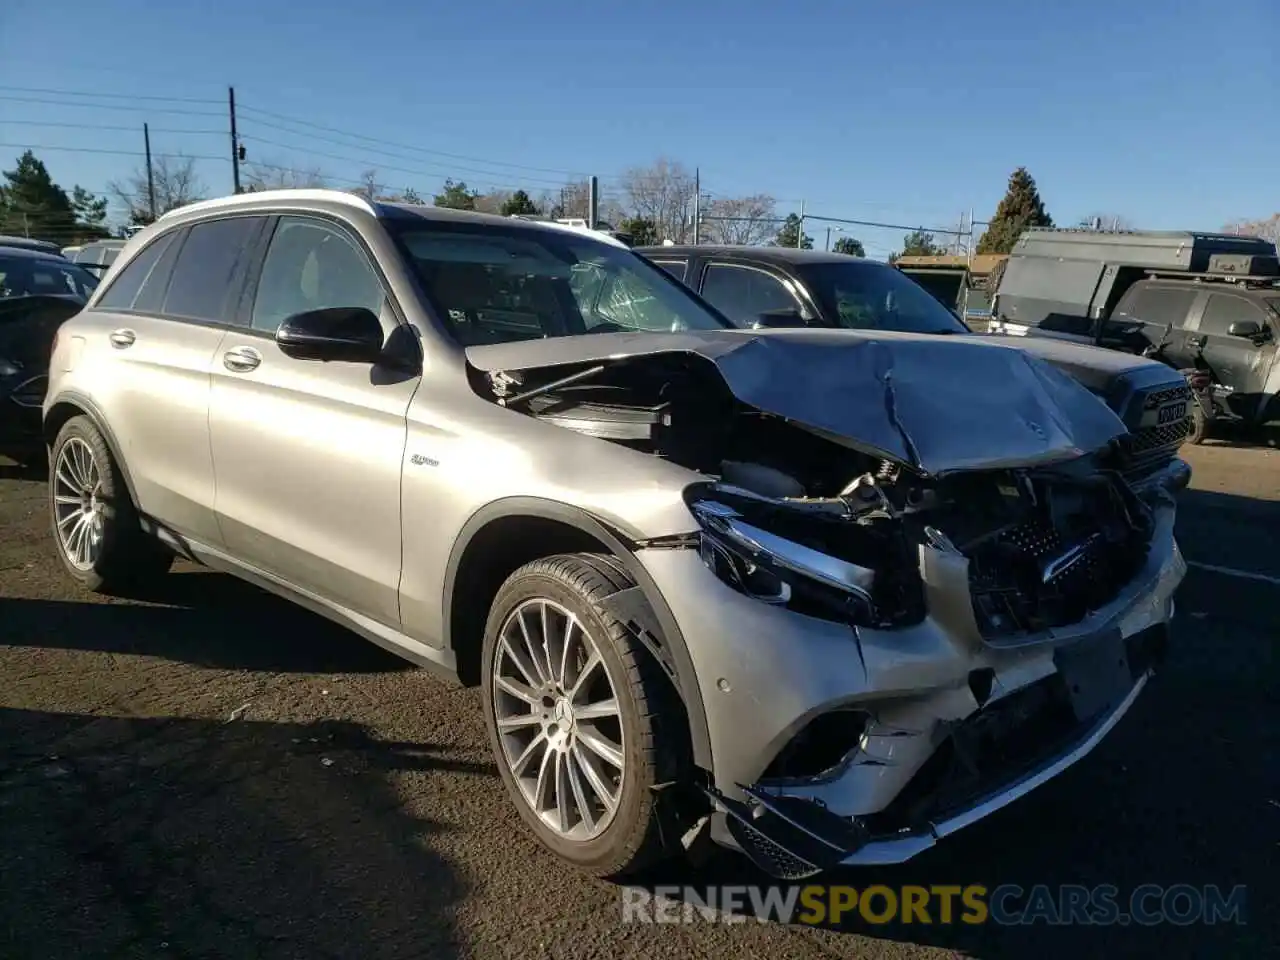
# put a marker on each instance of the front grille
(1016, 588)
(1160, 397)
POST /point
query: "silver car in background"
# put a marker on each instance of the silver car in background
(805, 590)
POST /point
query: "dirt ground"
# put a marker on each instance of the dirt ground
(210, 772)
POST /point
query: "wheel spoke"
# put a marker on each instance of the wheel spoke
(600, 745)
(519, 722)
(62, 498)
(68, 518)
(519, 763)
(546, 773)
(518, 690)
(597, 711)
(593, 661)
(546, 641)
(579, 792)
(531, 648)
(528, 671)
(566, 641)
(564, 792)
(595, 778)
(64, 475)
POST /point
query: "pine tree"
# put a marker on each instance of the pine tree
(1020, 210)
(519, 203)
(789, 234)
(32, 205)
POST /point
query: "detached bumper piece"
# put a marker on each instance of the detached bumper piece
(982, 763)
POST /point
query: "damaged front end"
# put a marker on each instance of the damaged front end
(1029, 573)
(908, 600)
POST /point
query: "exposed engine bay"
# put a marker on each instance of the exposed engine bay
(798, 518)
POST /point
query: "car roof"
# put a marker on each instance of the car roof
(775, 255)
(265, 201)
(30, 253)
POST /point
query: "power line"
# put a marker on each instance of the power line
(103, 150)
(132, 128)
(379, 164)
(111, 106)
(249, 111)
(108, 96)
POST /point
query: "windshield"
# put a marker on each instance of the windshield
(864, 295)
(32, 276)
(492, 285)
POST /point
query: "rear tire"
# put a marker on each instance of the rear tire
(96, 529)
(558, 724)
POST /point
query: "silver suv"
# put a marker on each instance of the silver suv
(825, 596)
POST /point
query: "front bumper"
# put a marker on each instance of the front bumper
(766, 674)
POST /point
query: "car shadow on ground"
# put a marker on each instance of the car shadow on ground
(180, 838)
(200, 617)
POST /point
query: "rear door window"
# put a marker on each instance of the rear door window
(205, 284)
(674, 267)
(1163, 306)
(1223, 310)
(743, 293)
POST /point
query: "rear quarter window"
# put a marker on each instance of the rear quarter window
(124, 289)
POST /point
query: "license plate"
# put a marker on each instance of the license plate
(1096, 673)
(1171, 413)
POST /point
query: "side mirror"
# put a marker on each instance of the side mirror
(352, 334)
(779, 318)
(1245, 328)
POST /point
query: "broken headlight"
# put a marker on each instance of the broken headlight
(779, 571)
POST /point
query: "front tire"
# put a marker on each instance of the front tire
(1199, 432)
(582, 722)
(96, 529)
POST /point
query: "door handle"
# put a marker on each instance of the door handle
(241, 359)
(1196, 342)
(122, 338)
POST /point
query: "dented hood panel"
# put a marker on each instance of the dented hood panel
(938, 404)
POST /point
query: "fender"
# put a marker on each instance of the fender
(91, 410)
(621, 546)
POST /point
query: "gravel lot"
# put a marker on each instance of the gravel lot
(214, 773)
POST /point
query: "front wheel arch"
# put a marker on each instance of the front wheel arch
(556, 528)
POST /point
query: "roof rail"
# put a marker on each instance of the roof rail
(243, 199)
(1236, 278)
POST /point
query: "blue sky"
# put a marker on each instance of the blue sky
(1162, 111)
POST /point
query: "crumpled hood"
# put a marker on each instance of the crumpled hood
(938, 404)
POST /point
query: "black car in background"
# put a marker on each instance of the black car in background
(38, 291)
(784, 286)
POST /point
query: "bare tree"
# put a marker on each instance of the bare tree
(270, 176)
(1268, 229)
(1106, 221)
(662, 193)
(176, 185)
(492, 201)
(740, 220)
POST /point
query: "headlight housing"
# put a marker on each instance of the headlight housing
(9, 368)
(780, 571)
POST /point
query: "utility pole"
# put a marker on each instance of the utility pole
(697, 204)
(235, 140)
(593, 202)
(151, 180)
(800, 232)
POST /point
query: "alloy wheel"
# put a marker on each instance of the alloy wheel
(558, 719)
(78, 505)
